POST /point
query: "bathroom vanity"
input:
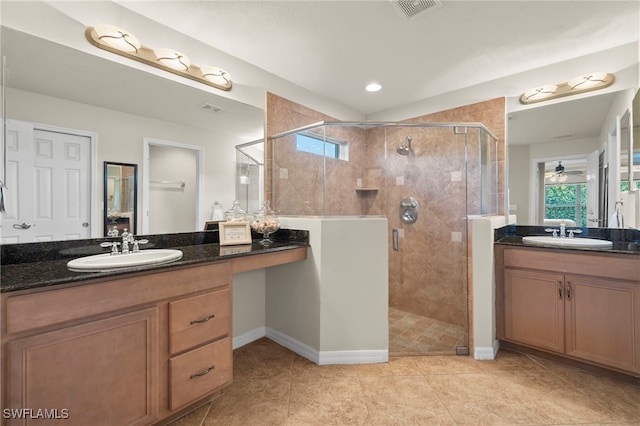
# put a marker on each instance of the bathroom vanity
(580, 304)
(124, 348)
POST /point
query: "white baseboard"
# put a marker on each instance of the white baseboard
(486, 353)
(294, 345)
(354, 357)
(248, 337)
(327, 357)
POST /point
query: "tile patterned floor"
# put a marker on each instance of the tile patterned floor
(411, 334)
(274, 386)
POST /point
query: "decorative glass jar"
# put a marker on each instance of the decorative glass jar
(235, 213)
(266, 223)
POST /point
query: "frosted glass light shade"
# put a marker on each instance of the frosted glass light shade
(216, 75)
(589, 81)
(540, 92)
(172, 59)
(117, 38)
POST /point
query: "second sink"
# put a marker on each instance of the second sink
(567, 242)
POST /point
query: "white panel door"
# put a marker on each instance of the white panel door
(48, 185)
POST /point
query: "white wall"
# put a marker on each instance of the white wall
(485, 344)
(249, 306)
(333, 307)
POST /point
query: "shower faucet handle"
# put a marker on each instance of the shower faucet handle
(409, 202)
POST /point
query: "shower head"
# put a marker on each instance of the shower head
(405, 148)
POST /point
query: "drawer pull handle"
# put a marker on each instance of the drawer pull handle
(202, 373)
(200, 321)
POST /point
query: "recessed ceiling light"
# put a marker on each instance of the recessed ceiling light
(373, 87)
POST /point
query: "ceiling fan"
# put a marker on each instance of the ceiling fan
(560, 174)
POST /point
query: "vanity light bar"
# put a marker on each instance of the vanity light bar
(118, 41)
(582, 84)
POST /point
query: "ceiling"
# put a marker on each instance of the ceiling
(334, 48)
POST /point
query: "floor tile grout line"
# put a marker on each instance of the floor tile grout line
(204, 418)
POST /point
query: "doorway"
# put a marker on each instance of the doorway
(171, 187)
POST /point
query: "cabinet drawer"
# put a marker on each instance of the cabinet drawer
(199, 319)
(200, 371)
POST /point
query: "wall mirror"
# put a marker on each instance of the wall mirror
(55, 85)
(120, 198)
(625, 154)
(556, 136)
(635, 140)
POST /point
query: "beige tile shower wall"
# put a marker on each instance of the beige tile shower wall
(299, 178)
(282, 115)
(429, 275)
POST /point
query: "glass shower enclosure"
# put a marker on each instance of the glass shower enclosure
(250, 175)
(427, 179)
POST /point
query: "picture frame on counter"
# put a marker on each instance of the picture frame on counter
(232, 233)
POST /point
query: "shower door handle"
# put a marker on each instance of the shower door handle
(395, 237)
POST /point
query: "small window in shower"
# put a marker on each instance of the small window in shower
(318, 146)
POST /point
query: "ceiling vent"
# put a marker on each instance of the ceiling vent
(211, 107)
(411, 8)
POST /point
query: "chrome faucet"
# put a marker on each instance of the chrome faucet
(127, 239)
(563, 232)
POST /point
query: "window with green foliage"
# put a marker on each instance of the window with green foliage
(624, 186)
(566, 202)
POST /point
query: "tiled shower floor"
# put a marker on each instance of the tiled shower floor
(411, 334)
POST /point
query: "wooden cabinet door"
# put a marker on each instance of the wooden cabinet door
(534, 313)
(102, 372)
(603, 321)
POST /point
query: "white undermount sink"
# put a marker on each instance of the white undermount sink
(568, 242)
(109, 262)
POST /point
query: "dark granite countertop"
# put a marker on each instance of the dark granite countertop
(33, 265)
(624, 240)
